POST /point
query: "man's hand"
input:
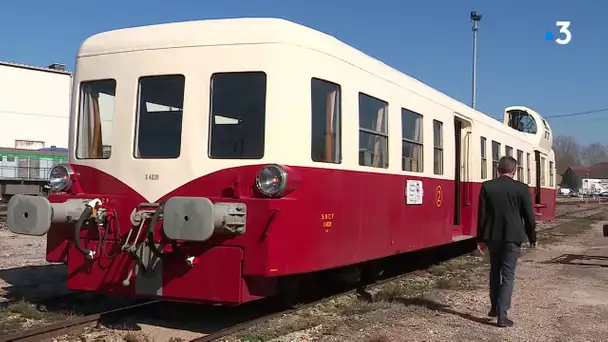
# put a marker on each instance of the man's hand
(482, 247)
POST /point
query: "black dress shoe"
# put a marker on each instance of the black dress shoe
(503, 321)
(492, 313)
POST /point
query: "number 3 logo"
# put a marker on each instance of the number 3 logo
(563, 28)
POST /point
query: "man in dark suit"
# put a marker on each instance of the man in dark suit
(505, 218)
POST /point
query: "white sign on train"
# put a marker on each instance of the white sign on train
(414, 192)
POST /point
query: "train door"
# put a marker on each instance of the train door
(462, 181)
(539, 159)
(457, 171)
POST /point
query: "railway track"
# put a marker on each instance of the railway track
(253, 313)
(265, 314)
(58, 329)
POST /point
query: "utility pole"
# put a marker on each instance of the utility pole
(476, 19)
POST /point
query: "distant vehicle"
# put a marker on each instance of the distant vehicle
(224, 161)
(24, 171)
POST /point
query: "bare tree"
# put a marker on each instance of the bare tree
(567, 152)
(593, 154)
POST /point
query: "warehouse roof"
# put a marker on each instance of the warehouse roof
(54, 68)
(595, 171)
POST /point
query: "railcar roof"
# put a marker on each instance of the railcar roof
(204, 33)
(234, 31)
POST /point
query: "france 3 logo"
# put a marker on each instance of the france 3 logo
(564, 36)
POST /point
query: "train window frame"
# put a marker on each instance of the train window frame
(211, 123)
(382, 135)
(484, 157)
(100, 155)
(495, 158)
(136, 153)
(405, 141)
(437, 147)
(332, 150)
(508, 151)
(520, 165)
(551, 183)
(529, 174)
(543, 171)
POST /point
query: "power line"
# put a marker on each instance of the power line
(568, 115)
(577, 113)
(584, 120)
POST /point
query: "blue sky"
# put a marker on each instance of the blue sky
(430, 40)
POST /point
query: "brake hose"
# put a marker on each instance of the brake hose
(151, 225)
(78, 226)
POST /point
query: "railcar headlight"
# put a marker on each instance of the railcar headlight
(60, 177)
(271, 180)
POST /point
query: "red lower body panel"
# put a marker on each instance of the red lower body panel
(216, 276)
(333, 218)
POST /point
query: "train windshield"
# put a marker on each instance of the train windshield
(237, 118)
(95, 119)
(159, 117)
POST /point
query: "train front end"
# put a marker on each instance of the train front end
(159, 198)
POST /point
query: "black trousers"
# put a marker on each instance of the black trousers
(503, 259)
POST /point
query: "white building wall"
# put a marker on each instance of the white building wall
(34, 106)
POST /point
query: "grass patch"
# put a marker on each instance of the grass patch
(382, 338)
(24, 309)
(573, 228)
(289, 324)
(135, 337)
(19, 315)
(459, 274)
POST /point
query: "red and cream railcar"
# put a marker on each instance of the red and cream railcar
(209, 160)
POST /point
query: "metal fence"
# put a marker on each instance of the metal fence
(24, 172)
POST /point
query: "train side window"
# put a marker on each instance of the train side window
(542, 171)
(238, 115)
(326, 115)
(520, 166)
(10, 158)
(158, 133)
(412, 146)
(529, 175)
(484, 158)
(95, 119)
(438, 147)
(495, 158)
(509, 151)
(373, 131)
(551, 174)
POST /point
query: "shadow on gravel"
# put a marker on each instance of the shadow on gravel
(206, 319)
(434, 306)
(38, 295)
(196, 318)
(34, 283)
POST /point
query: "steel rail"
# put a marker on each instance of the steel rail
(58, 329)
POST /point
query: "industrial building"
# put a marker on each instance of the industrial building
(592, 179)
(34, 106)
(34, 124)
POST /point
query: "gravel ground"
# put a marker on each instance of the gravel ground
(447, 303)
(24, 272)
(551, 302)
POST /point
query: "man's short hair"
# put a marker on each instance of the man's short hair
(506, 165)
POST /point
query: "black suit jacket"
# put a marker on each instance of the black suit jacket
(505, 212)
